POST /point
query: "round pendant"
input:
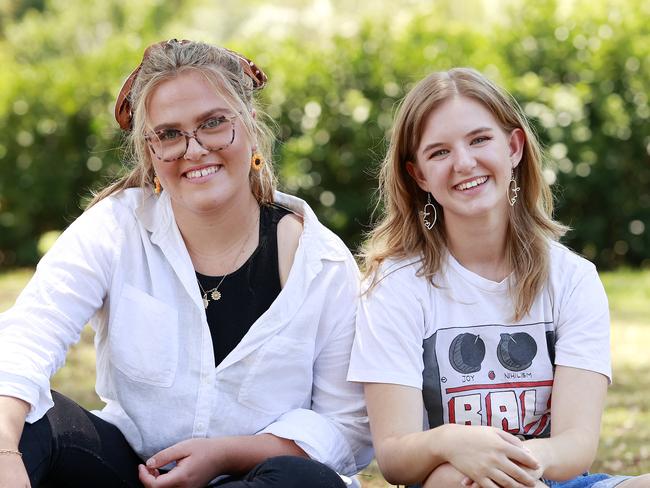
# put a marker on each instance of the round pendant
(205, 303)
(215, 295)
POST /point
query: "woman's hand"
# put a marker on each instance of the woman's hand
(12, 472)
(535, 473)
(198, 461)
(491, 457)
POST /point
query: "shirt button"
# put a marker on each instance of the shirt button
(199, 426)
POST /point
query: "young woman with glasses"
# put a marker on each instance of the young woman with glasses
(482, 342)
(223, 310)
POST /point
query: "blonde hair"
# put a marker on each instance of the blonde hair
(223, 70)
(400, 232)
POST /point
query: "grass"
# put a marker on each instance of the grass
(626, 421)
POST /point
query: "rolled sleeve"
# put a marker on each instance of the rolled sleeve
(38, 395)
(317, 436)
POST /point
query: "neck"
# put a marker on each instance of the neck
(220, 241)
(480, 245)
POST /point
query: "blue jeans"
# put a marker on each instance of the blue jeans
(588, 481)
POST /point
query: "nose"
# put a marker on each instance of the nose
(464, 161)
(194, 150)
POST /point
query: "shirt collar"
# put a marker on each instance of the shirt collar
(156, 215)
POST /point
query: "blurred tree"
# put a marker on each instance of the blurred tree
(62, 66)
(584, 78)
(580, 69)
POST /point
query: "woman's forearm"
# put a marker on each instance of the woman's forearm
(565, 455)
(575, 428)
(243, 453)
(13, 412)
(410, 458)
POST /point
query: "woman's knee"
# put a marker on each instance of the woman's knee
(444, 476)
(72, 447)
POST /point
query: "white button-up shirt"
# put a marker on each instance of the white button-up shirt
(123, 265)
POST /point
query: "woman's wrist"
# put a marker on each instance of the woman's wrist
(9, 438)
(11, 452)
(540, 451)
(12, 419)
(442, 440)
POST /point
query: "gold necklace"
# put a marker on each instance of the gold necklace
(213, 294)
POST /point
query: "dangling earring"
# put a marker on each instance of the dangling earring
(428, 208)
(157, 188)
(257, 161)
(513, 189)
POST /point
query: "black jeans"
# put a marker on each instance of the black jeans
(70, 447)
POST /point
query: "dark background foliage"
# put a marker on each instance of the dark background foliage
(581, 71)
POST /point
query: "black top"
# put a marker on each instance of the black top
(247, 292)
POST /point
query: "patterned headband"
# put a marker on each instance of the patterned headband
(123, 108)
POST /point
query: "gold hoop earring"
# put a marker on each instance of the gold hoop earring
(157, 187)
(513, 189)
(257, 161)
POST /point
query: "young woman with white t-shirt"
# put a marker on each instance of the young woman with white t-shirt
(482, 342)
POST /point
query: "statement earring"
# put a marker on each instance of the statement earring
(257, 161)
(429, 208)
(157, 188)
(513, 189)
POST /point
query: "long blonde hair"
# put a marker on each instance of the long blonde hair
(223, 70)
(400, 231)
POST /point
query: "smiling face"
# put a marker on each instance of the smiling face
(464, 159)
(201, 180)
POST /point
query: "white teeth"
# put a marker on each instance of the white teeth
(472, 184)
(197, 173)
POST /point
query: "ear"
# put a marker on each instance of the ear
(516, 143)
(415, 172)
(253, 113)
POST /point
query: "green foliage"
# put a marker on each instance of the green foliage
(61, 69)
(581, 71)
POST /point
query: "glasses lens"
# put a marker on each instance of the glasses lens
(168, 144)
(216, 134)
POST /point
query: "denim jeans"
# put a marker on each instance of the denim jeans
(72, 448)
(583, 481)
(588, 481)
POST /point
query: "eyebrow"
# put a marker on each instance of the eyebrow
(434, 145)
(199, 118)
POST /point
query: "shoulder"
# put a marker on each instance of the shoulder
(565, 264)
(289, 231)
(109, 215)
(96, 235)
(118, 205)
(397, 273)
(321, 242)
(572, 277)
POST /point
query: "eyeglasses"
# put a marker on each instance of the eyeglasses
(214, 134)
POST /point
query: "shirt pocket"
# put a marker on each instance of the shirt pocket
(143, 338)
(280, 377)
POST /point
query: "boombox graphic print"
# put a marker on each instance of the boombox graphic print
(497, 375)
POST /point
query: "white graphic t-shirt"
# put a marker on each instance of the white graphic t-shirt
(457, 342)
